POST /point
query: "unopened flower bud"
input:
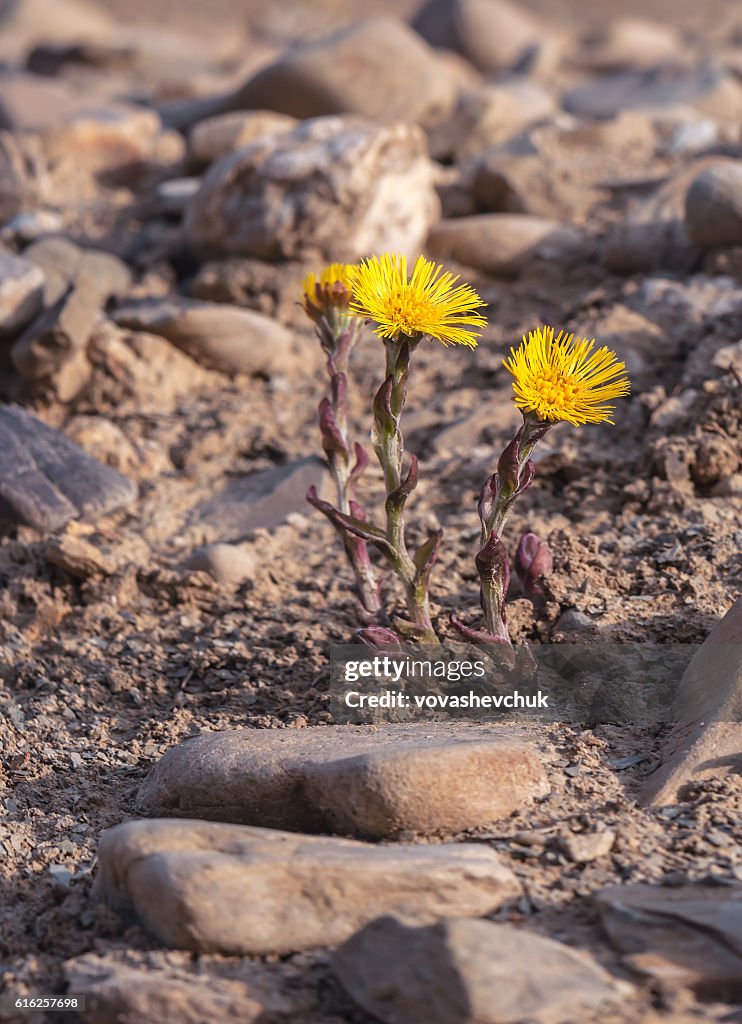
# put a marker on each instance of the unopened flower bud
(532, 561)
(487, 501)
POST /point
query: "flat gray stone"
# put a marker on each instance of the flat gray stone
(607, 96)
(46, 480)
(707, 739)
(355, 780)
(261, 500)
(685, 937)
(238, 890)
(470, 972)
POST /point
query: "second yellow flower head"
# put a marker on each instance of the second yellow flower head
(426, 302)
(564, 378)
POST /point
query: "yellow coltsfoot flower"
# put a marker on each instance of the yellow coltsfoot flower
(332, 289)
(564, 378)
(429, 302)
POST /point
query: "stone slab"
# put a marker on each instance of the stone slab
(46, 480)
(356, 780)
(707, 739)
(471, 972)
(237, 890)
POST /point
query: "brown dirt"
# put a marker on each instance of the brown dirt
(99, 677)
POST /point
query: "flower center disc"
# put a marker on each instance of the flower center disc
(556, 389)
(408, 311)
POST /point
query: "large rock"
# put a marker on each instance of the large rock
(218, 336)
(354, 780)
(21, 292)
(334, 188)
(215, 137)
(504, 244)
(52, 351)
(46, 480)
(471, 972)
(377, 68)
(239, 890)
(713, 206)
(494, 35)
(707, 738)
(685, 937)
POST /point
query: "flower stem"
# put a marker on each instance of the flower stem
(514, 475)
(388, 442)
(338, 339)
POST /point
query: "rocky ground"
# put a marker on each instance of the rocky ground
(163, 190)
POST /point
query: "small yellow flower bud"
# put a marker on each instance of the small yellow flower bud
(332, 290)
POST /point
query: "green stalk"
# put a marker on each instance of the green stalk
(514, 474)
(388, 444)
(338, 337)
(510, 472)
